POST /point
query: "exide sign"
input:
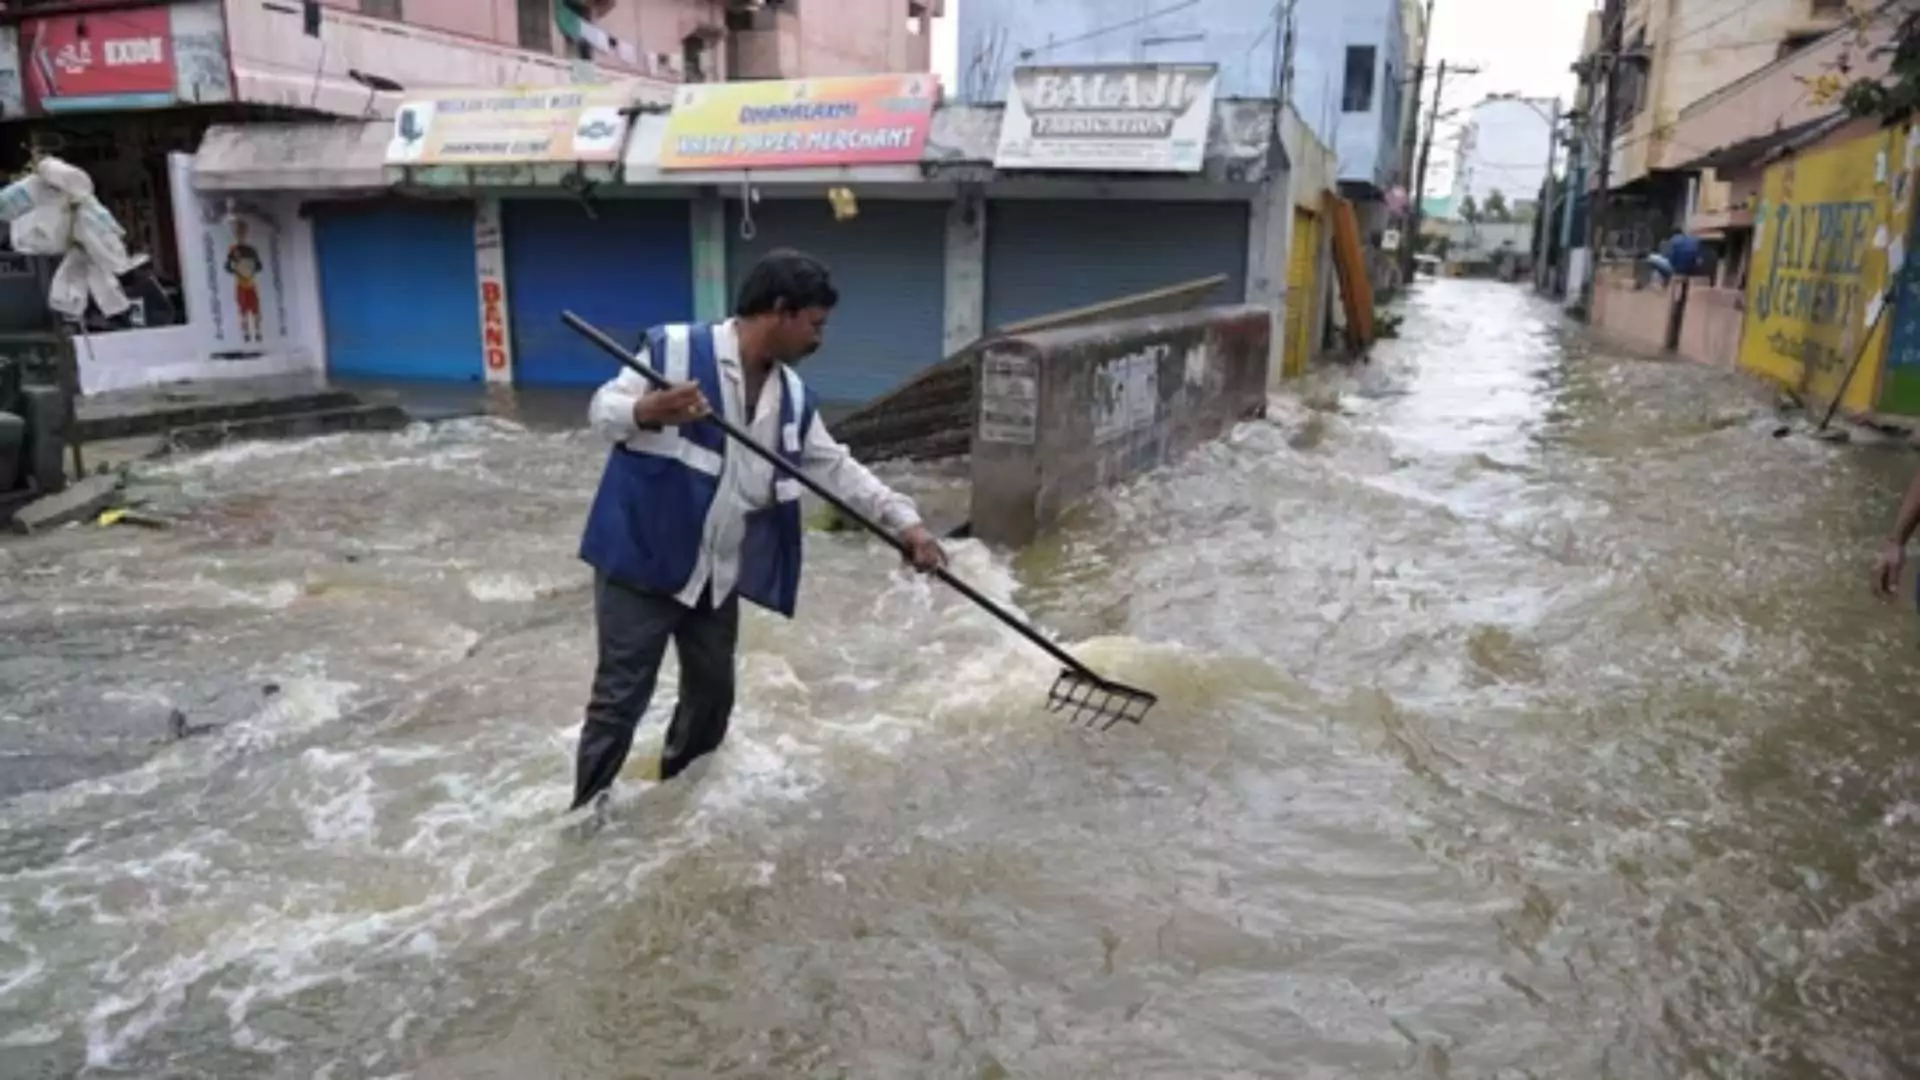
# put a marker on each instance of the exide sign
(100, 60)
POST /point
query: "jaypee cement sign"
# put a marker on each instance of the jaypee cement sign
(1108, 118)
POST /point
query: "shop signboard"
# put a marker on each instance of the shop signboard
(526, 125)
(1828, 225)
(490, 265)
(1108, 118)
(120, 59)
(800, 123)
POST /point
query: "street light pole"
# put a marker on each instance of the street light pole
(1545, 213)
(1426, 148)
(1409, 242)
(1612, 34)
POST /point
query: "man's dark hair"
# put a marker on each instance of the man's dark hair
(785, 280)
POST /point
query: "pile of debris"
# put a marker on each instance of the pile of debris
(52, 212)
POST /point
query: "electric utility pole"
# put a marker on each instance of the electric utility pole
(1545, 216)
(1410, 241)
(1609, 59)
(1426, 146)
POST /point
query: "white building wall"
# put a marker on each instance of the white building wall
(290, 302)
(1503, 148)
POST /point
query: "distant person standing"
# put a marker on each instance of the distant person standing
(1681, 256)
(1893, 557)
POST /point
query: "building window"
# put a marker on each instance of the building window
(1358, 95)
(1793, 43)
(382, 9)
(693, 59)
(1630, 77)
(536, 25)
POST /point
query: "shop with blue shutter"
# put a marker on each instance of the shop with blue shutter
(889, 265)
(397, 296)
(623, 264)
(460, 272)
(1051, 255)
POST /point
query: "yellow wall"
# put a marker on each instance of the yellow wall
(1303, 288)
(1820, 249)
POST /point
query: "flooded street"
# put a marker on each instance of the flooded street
(1525, 713)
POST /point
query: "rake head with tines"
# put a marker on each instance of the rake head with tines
(1091, 701)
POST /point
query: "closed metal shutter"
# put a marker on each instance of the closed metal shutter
(1045, 256)
(398, 290)
(628, 267)
(889, 264)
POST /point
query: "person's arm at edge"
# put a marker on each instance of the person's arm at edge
(1894, 557)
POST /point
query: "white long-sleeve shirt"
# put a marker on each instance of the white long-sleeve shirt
(746, 480)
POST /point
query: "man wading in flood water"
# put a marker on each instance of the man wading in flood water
(685, 523)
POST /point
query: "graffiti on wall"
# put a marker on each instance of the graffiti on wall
(242, 246)
(1900, 381)
(1126, 392)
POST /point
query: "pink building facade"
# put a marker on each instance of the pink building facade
(696, 40)
(128, 89)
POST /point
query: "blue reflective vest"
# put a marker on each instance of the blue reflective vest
(649, 516)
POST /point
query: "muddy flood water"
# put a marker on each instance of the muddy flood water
(1524, 714)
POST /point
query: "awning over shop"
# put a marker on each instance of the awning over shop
(1762, 149)
(304, 156)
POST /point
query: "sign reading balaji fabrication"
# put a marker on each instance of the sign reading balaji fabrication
(120, 59)
(520, 126)
(1109, 118)
(856, 120)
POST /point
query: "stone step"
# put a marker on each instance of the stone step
(168, 408)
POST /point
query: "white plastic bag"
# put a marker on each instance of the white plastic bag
(47, 229)
(18, 197)
(101, 237)
(54, 212)
(68, 294)
(62, 177)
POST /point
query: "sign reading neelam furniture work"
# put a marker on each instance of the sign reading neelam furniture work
(856, 120)
(1822, 236)
(1109, 118)
(519, 126)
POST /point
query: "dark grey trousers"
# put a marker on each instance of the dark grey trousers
(633, 629)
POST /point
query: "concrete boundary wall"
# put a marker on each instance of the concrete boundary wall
(1711, 325)
(1641, 318)
(1060, 414)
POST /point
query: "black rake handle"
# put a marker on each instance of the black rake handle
(613, 348)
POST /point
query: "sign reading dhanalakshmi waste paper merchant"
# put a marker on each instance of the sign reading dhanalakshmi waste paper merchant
(1108, 117)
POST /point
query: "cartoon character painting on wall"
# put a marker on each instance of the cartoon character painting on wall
(245, 266)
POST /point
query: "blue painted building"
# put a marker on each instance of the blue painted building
(1351, 72)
